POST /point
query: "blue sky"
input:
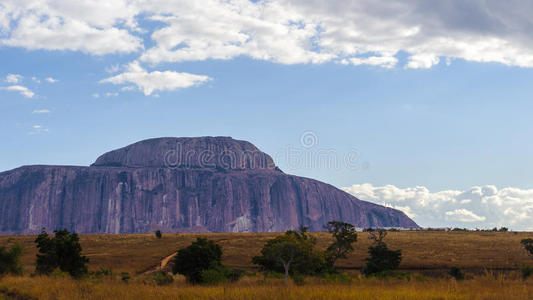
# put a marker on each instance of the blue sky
(438, 107)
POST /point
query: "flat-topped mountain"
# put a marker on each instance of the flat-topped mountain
(205, 184)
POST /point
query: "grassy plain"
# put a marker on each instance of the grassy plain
(493, 287)
(491, 260)
(422, 250)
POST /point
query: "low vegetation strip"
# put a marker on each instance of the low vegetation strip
(421, 250)
(6, 293)
(487, 286)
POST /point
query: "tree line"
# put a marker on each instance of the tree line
(293, 254)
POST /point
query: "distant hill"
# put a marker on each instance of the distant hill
(204, 184)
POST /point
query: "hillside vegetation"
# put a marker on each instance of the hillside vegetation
(423, 251)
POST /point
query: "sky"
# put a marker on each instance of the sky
(424, 106)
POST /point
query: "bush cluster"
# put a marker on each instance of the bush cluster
(381, 257)
(10, 260)
(162, 278)
(62, 251)
(201, 262)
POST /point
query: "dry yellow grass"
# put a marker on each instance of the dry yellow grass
(422, 250)
(481, 287)
(428, 252)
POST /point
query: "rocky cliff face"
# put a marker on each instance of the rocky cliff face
(214, 184)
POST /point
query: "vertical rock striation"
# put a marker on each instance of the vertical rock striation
(214, 184)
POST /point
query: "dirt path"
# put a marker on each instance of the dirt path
(161, 265)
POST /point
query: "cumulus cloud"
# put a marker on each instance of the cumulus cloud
(95, 27)
(357, 32)
(51, 80)
(463, 215)
(24, 91)
(149, 82)
(13, 78)
(41, 111)
(362, 32)
(477, 207)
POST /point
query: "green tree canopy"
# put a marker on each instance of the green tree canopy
(10, 260)
(201, 255)
(344, 236)
(381, 257)
(62, 251)
(291, 253)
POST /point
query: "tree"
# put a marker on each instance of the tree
(10, 260)
(344, 236)
(62, 251)
(158, 234)
(285, 253)
(528, 245)
(381, 258)
(291, 253)
(203, 254)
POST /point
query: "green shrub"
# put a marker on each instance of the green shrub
(213, 276)
(337, 278)
(273, 275)
(234, 274)
(221, 274)
(393, 274)
(57, 273)
(10, 260)
(528, 245)
(457, 273)
(201, 255)
(299, 279)
(201, 263)
(62, 251)
(125, 277)
(526, 271)
(381, 257)
(102, 272)
(162, 278)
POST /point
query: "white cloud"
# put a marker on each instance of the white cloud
(383, 61)
(109, 94)
(13, 78)
(38, 129)
(477, 207)
(149, 82)
(41, 111)
(51, 80)
(359, 32)
(282, 31)
(463, 215)
(95, 27)
(422, 61)
(24, 91)
(127, 88)
(96, 95)
(35, 79)
(214, 29)
(112, 69)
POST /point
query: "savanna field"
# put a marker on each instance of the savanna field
(490, 260)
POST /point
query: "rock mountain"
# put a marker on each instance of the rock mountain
(206, 184)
